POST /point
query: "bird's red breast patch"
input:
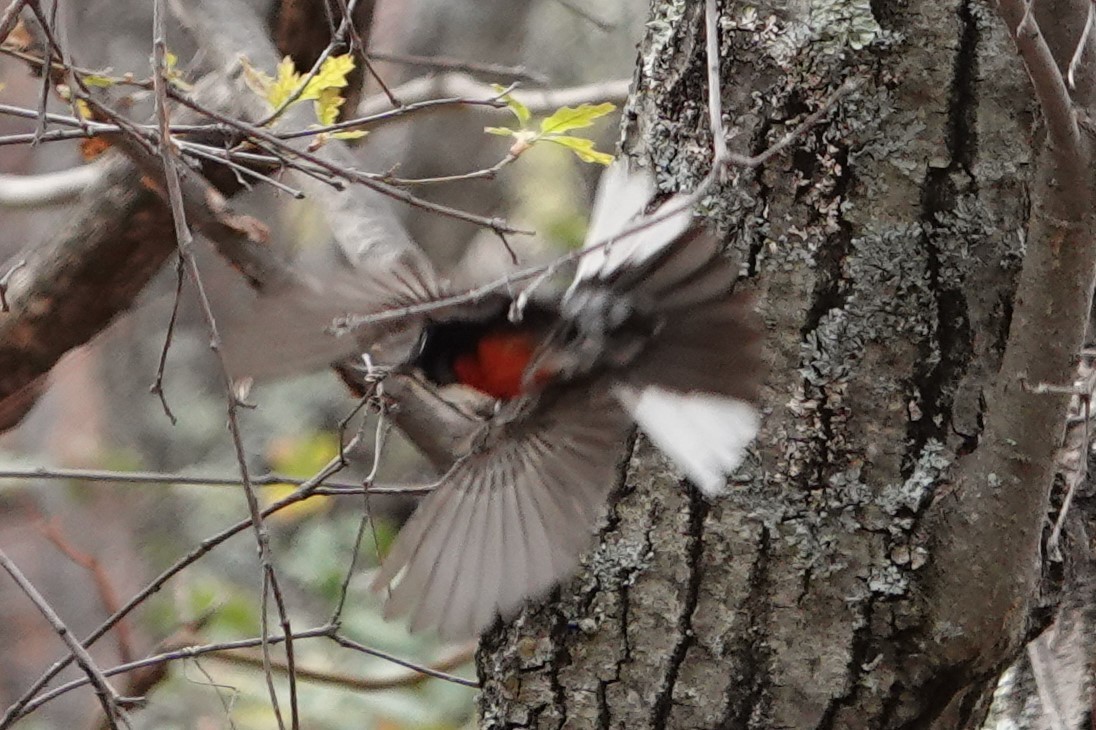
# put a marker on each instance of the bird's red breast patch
(497, 365)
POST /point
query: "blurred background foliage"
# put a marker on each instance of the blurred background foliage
(99, 412)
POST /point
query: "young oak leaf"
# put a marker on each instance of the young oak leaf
(553, 127)
(284, 84)
(518, 109)
(567, 118)
(327, 103)
(582, 147)
(331, 75)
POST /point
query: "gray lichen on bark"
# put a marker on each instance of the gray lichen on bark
(884, 247)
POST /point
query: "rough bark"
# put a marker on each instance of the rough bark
(886, 247)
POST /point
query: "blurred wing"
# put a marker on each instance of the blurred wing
(286, 331)
(510, 520)
(621, 198)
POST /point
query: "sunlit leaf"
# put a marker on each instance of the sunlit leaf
(501, 131)
(518, 109)
(582, 147)
(285, 83)
(332, 75)
(327, 106)
(567, 118)
(349, 134)
(100, 81)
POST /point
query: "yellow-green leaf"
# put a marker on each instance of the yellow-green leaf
(349, 134)
(83, 109)
(285, 83)
(516, 107)
(500, 131)
(583, 148)
(100, 81)
(332, 75)
(567, 118)
(327, 106)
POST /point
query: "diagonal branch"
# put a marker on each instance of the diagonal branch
(107, 696)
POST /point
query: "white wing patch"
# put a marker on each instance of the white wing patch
(706, 435)
(621, 198)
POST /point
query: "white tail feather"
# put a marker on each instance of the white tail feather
(706, 435)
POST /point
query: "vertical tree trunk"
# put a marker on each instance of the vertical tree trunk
(885, 247)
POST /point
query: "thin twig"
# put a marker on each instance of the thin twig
(184, 239)
(306, 490)
(428, 671)
(358, 48)
(580, 11)
(107, 594)
(157, 386)
(154, 477)
(347, 173)
(108, 698)
(462, 655)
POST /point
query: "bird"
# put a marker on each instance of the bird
(652, 332)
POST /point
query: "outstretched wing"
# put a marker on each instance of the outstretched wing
(287, 331)
(622, 196)
(509, 520)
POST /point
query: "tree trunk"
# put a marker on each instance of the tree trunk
(885, 246)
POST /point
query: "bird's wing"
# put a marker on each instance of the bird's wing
(693, 388)
(509, 520)
(622, 197)
(287, 330)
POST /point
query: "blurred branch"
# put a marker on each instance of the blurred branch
(446, 63)
(51, 188)
(539, 101)
(185, 646)
(586, 15)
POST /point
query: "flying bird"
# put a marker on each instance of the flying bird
(651, 332)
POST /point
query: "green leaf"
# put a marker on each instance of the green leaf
(100, 81)
(567, 118)
(582, 147)
(519, 110)
(501, 131)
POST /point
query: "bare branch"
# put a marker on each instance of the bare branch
(108, 698)
(1048, 84)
